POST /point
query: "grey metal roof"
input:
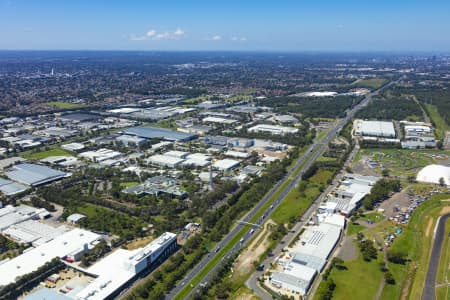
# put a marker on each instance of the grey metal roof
(34, 174)
(161, 133)
(12, 188)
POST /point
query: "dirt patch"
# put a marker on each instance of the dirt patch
(244, 263)
(430, 223)
(445, 210)
(348, 250)
(406, 286)
(140, 242)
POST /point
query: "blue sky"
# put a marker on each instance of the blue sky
(334, 25)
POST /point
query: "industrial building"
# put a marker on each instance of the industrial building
(273, 129)
(69, 244)
(34, 175)
(9, 188)
(307, 258)
(219, 120)
(382, 129)
(74, 147)
(100, 155)
(350, 192)
(119, 268)
(165, 160)
(160, 133)
(131, 141)
(226, 164)
(33, 232)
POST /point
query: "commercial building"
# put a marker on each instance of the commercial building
(157, 185)
(69, 244)
(121, 267)
(160, 133)
(165, 160)
(350, 192)
(273, 129)
(34, 175)
(382, 129)
(9, 188)
(33, 232)
(226, 164)
(74, 147)
(219, 120)
(131, 141)
(101, 155)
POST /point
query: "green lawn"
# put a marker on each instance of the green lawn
(64, 105)
(46, 153)
(373, 83)
(359, 281)
(128, 184)
(403, 162)
(439, 122)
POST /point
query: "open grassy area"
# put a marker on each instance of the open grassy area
(64, 105)
(403, 162)
(128, 184)
(46, 153)
(439, 122)
(359, 281)
(373, 83)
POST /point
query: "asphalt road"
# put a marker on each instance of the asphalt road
(315, 150)
(429, 292)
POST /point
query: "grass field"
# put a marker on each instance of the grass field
(128, 184)
(46, 153)
(439, 122)
(64, 105)
(359, 281)
(373, 83)
(403, 162)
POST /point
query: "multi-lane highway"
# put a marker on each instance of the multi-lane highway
(305, 161)
(429, 292)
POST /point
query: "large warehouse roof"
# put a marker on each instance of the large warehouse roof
(374, 128)
(433, 173)
(159, 133)
(31, 260)
(34, 174)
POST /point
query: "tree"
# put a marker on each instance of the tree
(389, 278)
(442, 181)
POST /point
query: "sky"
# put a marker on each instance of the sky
(248, 25)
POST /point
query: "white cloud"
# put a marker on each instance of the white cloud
(178, 32)
(242, 39)
(216, 38)
(153, 35)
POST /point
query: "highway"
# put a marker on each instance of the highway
(313, 152)
(429, 292)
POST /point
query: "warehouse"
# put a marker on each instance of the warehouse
(374, 128)
(34, 175)
(101, 155)
(160, 133)
(273, 129)
(74, 147)
(165, 160)
(10, 215)
(34, 232)
(9, 188)
(73, 242)
(219, 120)
(226, 164)
(131, 141)
(121, 267)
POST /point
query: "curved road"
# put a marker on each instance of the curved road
(429, 292)
(313, 152)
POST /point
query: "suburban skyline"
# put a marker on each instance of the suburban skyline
(203, 25)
